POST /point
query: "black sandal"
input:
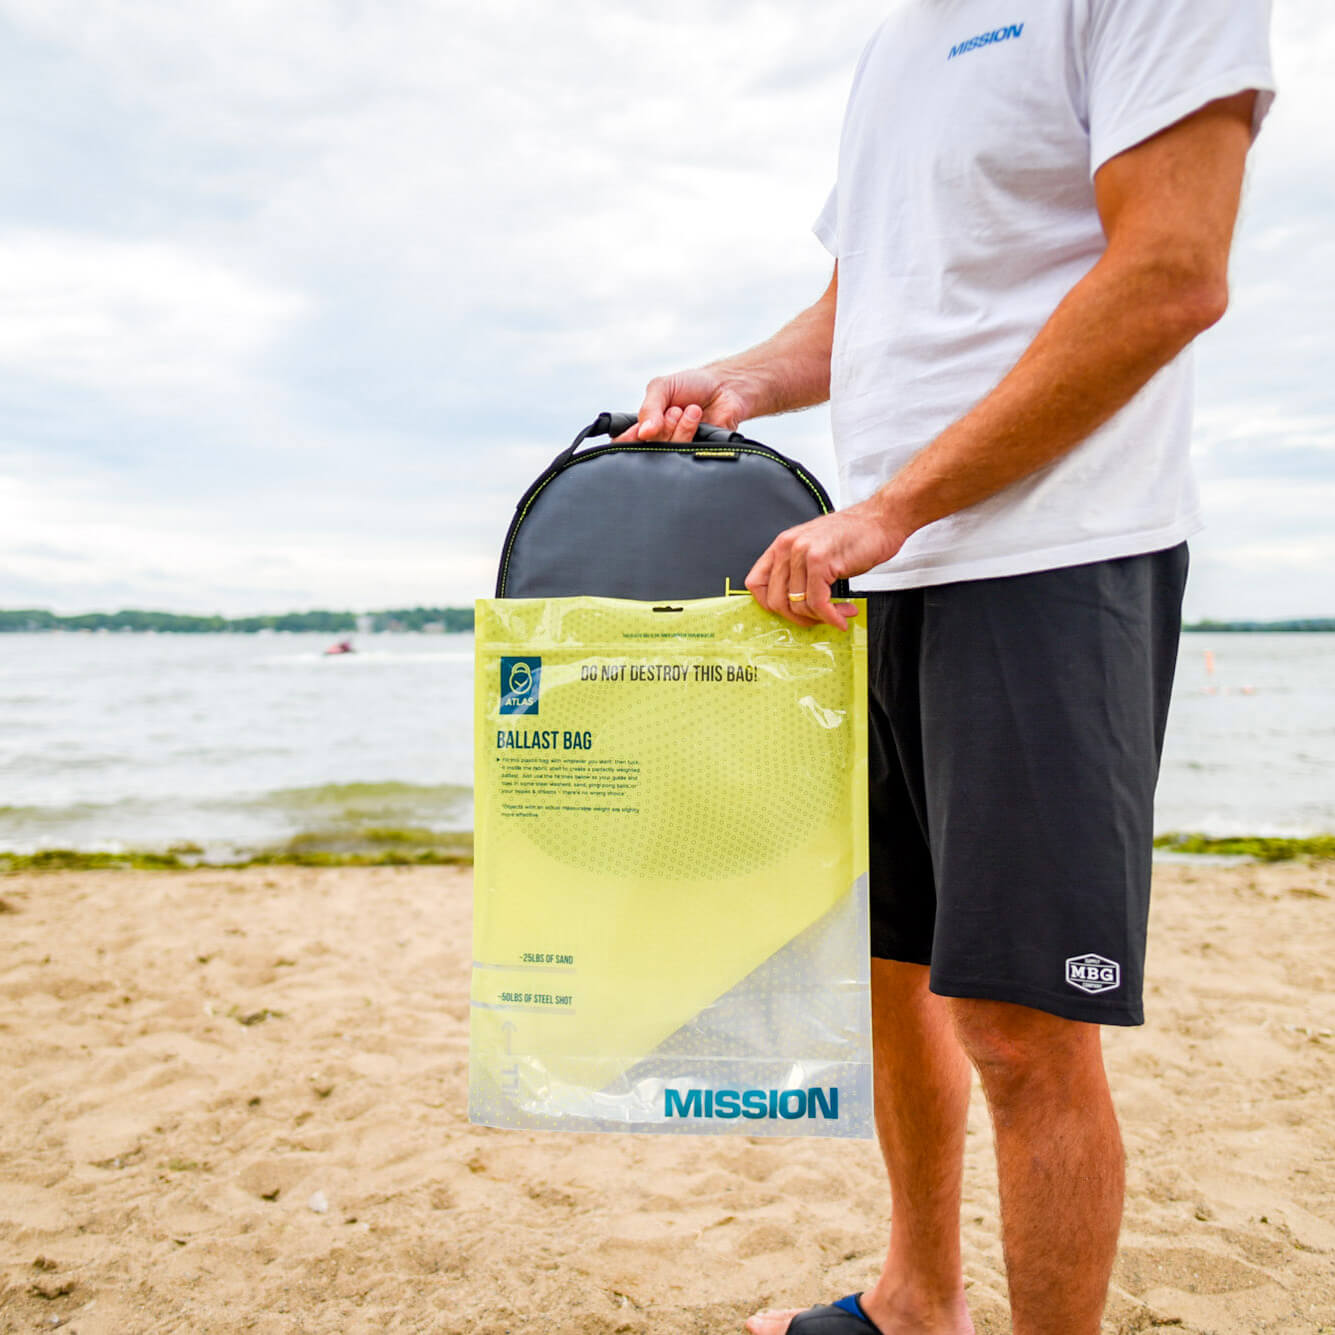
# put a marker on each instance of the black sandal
(845, 1317)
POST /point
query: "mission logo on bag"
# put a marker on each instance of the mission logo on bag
(753, 1104)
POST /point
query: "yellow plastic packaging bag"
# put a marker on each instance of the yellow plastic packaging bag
(670, 912)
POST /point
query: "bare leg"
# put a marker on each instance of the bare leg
(1059, 1157)
(922, 1099)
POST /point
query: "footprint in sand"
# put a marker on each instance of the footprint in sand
(1189, 1269)
(763, 1239)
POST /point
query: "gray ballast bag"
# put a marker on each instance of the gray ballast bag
(653, 521)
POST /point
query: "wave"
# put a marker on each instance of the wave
(378, 795)
(54, 813)
(333, 815)
(377, 801)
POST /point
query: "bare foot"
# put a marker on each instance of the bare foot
(771, 1323)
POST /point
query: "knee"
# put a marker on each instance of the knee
(1015, 1048)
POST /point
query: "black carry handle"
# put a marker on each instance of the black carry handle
(616, 423)
(613, 424)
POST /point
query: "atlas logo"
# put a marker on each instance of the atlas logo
(987, 39)
(1093, 974)
(790, 1105)
(521, 685)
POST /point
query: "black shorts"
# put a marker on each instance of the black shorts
(1016, 726)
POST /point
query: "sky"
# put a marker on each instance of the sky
(296, 299)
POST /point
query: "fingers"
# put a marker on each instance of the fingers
(820, 605)
(687, 420)
(656, 396)
(662, 419)
(757, 581)
(771, 581)
(676, 424)
(801, 608)
(822, 609)
(794, 583)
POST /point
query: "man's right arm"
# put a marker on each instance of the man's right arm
(785, 373)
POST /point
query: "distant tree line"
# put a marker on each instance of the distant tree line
(1302, 623)
(447, 620)
(451, 620)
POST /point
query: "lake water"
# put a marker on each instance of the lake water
(238, 742)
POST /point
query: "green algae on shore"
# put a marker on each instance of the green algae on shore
(1319, 847)
(366, 848)
(77, 859)
(411, 847)
(386, 838)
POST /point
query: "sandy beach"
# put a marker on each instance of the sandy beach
(234, 1101)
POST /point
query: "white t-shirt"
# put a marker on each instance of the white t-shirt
(964, 212)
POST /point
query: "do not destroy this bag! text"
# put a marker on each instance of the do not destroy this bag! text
(670, 904)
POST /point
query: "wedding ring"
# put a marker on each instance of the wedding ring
(797, 597)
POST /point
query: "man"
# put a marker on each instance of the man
(1031, 223)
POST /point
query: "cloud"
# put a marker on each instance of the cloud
(132, 319)
(296, 299)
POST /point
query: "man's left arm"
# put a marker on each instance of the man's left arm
(1168, 208)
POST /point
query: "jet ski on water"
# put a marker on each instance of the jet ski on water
(341, 647)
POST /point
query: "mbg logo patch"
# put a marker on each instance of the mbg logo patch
(1093, 974)
(521, 685)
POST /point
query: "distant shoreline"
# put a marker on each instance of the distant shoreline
(430, 620)
(1297, 626)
